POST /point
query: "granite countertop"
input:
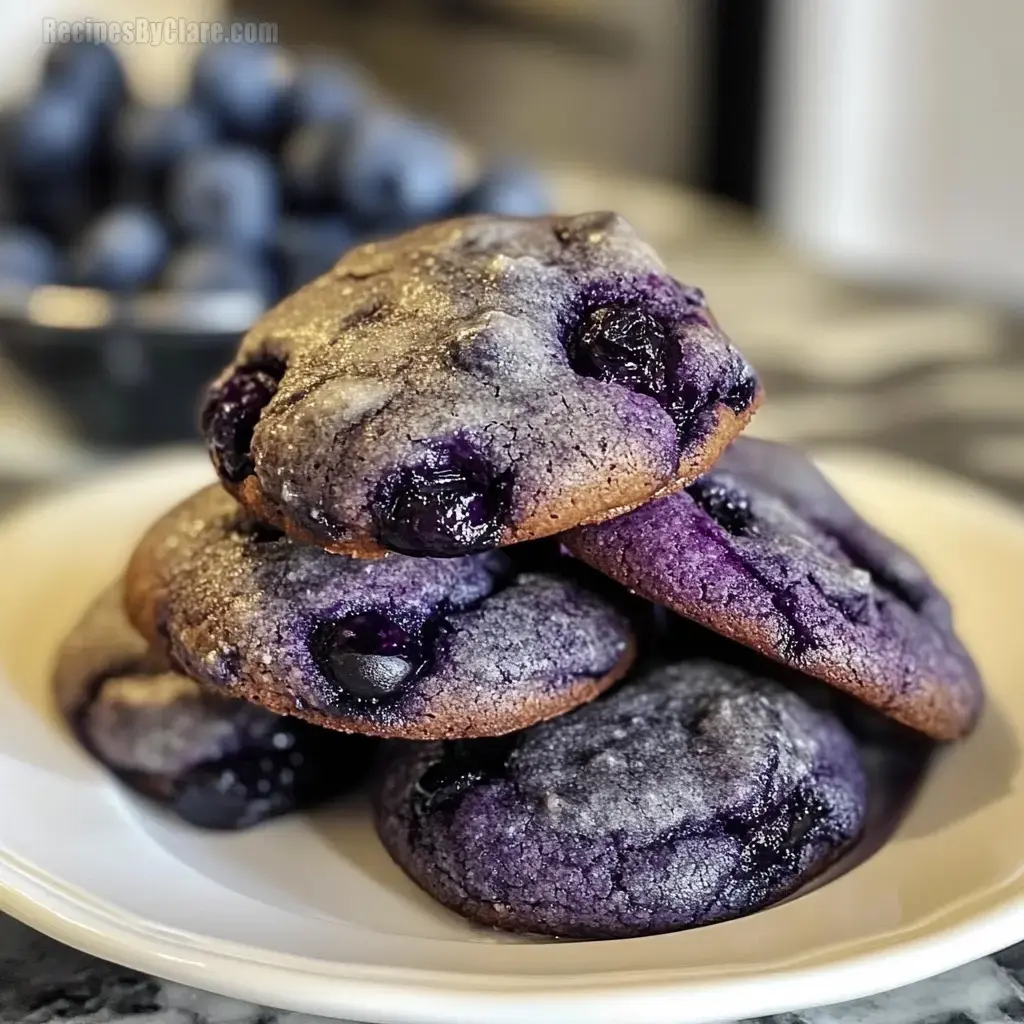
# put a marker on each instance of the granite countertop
(933, 380)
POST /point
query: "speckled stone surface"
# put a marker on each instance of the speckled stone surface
(214, 761)
(696, 793)
(241, 609)
(765, 551)
(457, 337)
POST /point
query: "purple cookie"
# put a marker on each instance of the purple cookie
(696, 793)
(420, 648)
(475, 383)
(763, 550)
(216, 762)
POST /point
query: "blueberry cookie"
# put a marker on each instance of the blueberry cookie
(475, 383)
(696, 793)
(421, 648)
(763, 550)
(216, 762)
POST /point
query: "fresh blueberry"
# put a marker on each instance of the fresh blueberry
(398, 171)
(450, 503)
(225, 194)
(727, 506)
(622, 345)
(201, 267)
(89, 71)
(245, 87)
(50, 138)
(149, 141)
(27, 257)
(123, 249)
(309, 165)
(231, 412)
(369, 655)
(508, 190)
(309, 246)
(325, 90)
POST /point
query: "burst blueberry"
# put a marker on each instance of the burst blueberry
(450, 503)
(621, 345)
(233, 409)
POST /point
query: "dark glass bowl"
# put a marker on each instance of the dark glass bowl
(124, 371)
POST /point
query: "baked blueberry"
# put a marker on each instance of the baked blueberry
(27, 258)
(123, 249)
(309, 246)
(90, 71)
(231, 415)
(245, 87)
(394, 170)
(763, 550)
(509, 190)
(201, 267)
(483, 381)
(225, 194)
(419, 648)
(150, 140)
(693, 794)
(216, 762)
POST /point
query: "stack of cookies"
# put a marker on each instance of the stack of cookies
(479, 483)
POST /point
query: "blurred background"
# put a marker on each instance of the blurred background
(843, 180)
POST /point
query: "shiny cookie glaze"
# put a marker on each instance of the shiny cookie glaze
(474, 383)
(765, 551)
(696, 793)
(419, 648)
(214, 761)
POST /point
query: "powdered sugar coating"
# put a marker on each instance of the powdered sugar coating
(765, 551)
(456, 333)
(241, 610)
(215, 761)
(693, 794)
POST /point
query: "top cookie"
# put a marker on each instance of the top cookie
(475, 383)
(765, 551)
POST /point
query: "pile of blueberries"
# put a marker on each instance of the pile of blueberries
(255, 182)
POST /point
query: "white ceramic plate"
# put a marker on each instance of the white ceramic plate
(310, 914)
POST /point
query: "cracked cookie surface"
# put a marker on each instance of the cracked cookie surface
(214, 761)
(763, 550)
(475, 383)
(696, 793)
(419, 648)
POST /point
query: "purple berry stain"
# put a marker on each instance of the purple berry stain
(452, 502)
(232, 411)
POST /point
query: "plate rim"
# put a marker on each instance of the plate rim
(424, 996)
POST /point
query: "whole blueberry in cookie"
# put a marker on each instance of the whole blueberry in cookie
(480, 382)
(696, 793)
(763, 550)
(420, 648)
(214, 761)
